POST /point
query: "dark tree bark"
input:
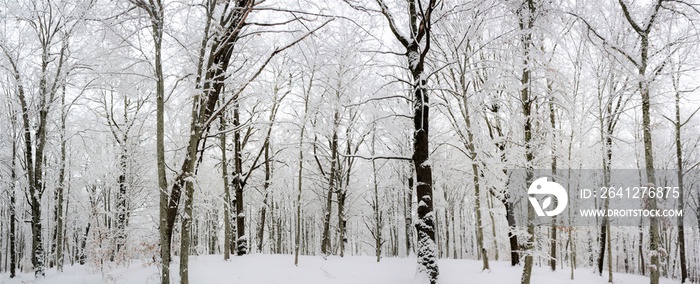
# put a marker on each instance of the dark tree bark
(553, 228)
(417, 45)
(83, 243)
(238, 183)
(13, 201)
(408, 211)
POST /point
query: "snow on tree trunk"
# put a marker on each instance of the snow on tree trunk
(425, 225)
(417, 45)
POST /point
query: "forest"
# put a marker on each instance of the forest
(403, 138)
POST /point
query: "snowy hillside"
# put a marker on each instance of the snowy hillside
(271, 269)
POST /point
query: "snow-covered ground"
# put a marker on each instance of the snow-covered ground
(268, 269)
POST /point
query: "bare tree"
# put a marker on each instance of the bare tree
(50, 28)
(527, 13)
(417, 45)
(678, 125)
(640, 59)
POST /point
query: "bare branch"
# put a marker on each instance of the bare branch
(223, 106)
(392, 23)
(634, 25)
(605, 41)
(377, 157)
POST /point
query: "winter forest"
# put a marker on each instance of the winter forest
(343, 141)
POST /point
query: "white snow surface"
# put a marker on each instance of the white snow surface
(269, 269)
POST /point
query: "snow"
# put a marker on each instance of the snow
(269, 269)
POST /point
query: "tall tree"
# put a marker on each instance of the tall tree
(155, 11)
(223, 123)
(13, 198)
(640, 59)
(278, 94)
(526, 22)
(51, 27)
(417, 45)
(678, 125)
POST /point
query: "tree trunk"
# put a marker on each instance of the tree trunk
(650, 175)
(526, 23)
(477, 187)
(157, 20)
(342, 223)
(61, 186)
(378, 240)
(326, 238)
(504, 197)
(408, 212)
(241, 240)
(610, 272)
(83, 243)
(227, 190)
(512, 237)
(122, 200)
(425, 227)
(490, 204)
(420, 31)
(13, 201)
(376, 206)
(643, 32)
(186, 222)
(299, 181)
(679, 165)
(553, 228)
(266, 185)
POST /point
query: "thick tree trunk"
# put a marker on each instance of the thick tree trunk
(419, 16)
(513, 242)
(425, 227)
(186, 222)
(526, 23)
(649, 165)
(241, 239)
(83, 243)
(165, 232)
